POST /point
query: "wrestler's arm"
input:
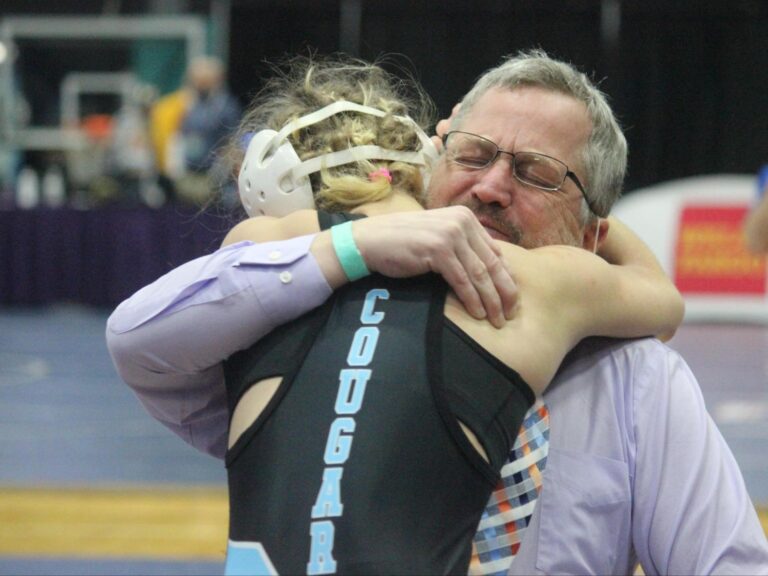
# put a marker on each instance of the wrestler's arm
(657, 305)
(623, 293)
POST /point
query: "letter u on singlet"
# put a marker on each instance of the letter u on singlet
(352, 384)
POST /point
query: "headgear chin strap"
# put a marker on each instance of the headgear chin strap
(273, 180)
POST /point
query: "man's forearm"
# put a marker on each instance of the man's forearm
(168, 341)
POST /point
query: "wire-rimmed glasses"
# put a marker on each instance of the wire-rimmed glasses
(537, 170)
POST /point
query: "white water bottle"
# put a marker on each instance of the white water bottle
(54, 190)
(27, 189)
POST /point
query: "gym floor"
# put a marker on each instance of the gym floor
(89, 484)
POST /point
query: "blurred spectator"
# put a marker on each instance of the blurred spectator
(165, 118)
(756, 224)
(188, 126)
(213, 113)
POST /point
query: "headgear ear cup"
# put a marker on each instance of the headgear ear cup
(265, 182)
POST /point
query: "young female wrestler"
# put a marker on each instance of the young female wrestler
(366, 436)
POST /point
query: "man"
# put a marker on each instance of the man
(188, 125)
(636, 469)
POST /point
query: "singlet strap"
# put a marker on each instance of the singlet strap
(497, 397)
(326, 219)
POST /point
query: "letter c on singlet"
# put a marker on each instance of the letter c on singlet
(368, 316)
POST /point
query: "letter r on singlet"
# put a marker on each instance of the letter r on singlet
(368, 316)
(321, 551)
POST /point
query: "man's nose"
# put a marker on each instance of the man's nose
(497, 183)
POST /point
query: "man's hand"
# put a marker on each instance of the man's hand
(448, 241)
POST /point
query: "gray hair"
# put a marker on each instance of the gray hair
(604, 156)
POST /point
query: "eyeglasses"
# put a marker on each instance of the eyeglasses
(537, 170)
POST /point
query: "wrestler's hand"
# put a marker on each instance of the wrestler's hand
(448, 241)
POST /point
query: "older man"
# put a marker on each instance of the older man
(636, 468)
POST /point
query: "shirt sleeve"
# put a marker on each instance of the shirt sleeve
(168, 341)
(692, 513)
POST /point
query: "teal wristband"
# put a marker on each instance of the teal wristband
(347, 252)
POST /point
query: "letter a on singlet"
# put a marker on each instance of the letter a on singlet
(328, 503)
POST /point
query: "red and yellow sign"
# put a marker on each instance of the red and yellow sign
(710, 257)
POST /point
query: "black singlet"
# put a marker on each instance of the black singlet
(358, 464)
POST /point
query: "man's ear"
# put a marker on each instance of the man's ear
(443, 127)
(595, 234)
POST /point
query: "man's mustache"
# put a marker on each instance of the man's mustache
(494, 214)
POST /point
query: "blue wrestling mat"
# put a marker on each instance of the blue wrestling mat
(90, 484)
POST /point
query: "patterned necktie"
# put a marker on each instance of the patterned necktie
(511, 505)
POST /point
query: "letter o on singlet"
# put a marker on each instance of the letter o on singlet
(363, 346)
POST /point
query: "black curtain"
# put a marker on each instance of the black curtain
(687, 78)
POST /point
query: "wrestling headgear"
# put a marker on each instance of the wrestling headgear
(273, 180)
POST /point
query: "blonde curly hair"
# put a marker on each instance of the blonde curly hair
(302, 85)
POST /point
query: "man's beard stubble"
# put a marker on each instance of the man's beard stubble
(514, 234)
(495, 214)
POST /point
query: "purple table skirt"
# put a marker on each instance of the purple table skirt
(98, 257)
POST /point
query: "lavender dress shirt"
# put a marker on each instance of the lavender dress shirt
(637, 470)
(169, 339)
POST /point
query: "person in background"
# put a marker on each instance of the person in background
(211, 115)
(189, 125)
(165, 117)
(756, 223)
(646, 477)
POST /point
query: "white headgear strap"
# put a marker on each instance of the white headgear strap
(273, 181)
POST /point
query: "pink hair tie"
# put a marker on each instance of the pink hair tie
(381, 172)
